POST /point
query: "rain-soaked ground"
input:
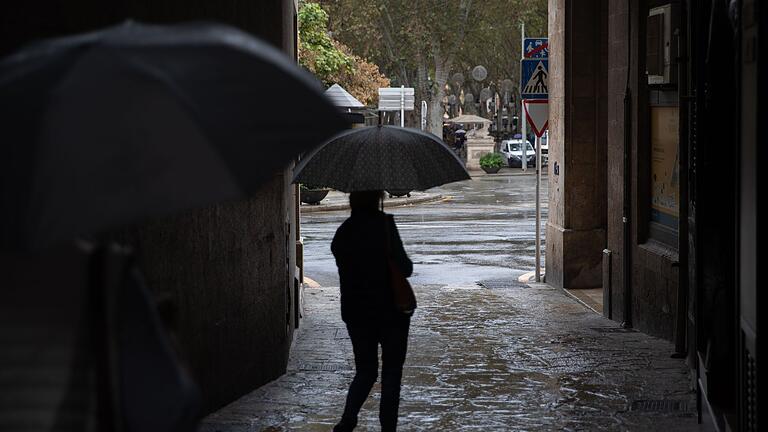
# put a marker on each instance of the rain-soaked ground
(501, 355)
(484, 230)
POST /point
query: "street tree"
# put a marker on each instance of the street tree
(422, 43)
(333, 62)
(362, 80)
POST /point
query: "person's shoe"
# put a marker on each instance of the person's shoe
(344, 426)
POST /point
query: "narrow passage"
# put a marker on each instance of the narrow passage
(486, 352)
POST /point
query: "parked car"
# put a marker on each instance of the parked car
(513, 151)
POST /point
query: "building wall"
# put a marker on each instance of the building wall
(226, 270)
(751, 232)
(577, 128)
(654, 271)
(230, 268)
(618, 67)
(695, 284)
(588, 81)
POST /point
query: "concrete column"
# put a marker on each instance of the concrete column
(577, 121)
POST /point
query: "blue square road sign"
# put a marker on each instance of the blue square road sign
(536, 48)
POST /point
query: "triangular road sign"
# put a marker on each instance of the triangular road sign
(537, 83)
(537, 113)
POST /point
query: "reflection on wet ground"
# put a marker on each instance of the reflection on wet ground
(519, 358)
(503, 356)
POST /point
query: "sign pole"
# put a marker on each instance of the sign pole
(524, 144)
(523, 124)
(538, 208)
(534, 95)
(402, 106)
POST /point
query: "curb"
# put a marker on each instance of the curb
(310, 283)
(582, 302)
(531, 171)
(395, 202)
(529, 277)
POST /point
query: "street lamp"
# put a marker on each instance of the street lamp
(502, 128)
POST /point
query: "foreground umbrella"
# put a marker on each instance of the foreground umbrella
(135, 121)
(381, 158)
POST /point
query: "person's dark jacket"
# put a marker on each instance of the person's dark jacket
(360, 248)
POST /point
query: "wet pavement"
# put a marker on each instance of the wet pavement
(483, 229)
(486, 352)
(336, 200)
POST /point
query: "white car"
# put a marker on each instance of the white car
(513, 152)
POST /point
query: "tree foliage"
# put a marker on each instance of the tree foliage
(317, 51)
(363, 80)
(421, 44)
(332, 61)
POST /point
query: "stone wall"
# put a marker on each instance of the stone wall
(654, 278)
(587, 82)
(577, 113)
(225, 269)
(617, 83)
(477, 147)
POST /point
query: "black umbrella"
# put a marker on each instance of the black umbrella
(381, 158)
(133, 121)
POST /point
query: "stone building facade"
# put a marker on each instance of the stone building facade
(653, 157)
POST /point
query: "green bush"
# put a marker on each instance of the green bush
(492, 160)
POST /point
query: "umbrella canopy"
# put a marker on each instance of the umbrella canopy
(135, 121)
(341, 98)
(468, 118)
(381, 158)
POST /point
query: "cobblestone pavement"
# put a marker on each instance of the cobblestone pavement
(494, 356)
(501, 357)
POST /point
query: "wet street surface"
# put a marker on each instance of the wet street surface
(485, 352)
(484, 229)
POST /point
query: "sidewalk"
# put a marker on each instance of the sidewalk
(340, 201)
(507, 172)
(509, 357)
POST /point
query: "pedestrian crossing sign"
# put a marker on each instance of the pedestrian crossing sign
(533, 83)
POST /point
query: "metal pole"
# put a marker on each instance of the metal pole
(522, 119)
(538, 208)
(402, 106)
(522, 41)
(523, 129)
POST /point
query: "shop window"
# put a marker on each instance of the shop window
(664, 175)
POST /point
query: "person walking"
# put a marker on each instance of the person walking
(363, 246)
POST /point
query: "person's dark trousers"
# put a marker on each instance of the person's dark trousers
(393, 337)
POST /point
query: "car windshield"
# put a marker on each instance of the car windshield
(515, 146)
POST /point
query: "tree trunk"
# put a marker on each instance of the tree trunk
(435, 118)
(442, 72)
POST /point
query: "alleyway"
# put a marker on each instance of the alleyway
(486, 352)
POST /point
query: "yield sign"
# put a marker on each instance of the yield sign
(537, 113)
